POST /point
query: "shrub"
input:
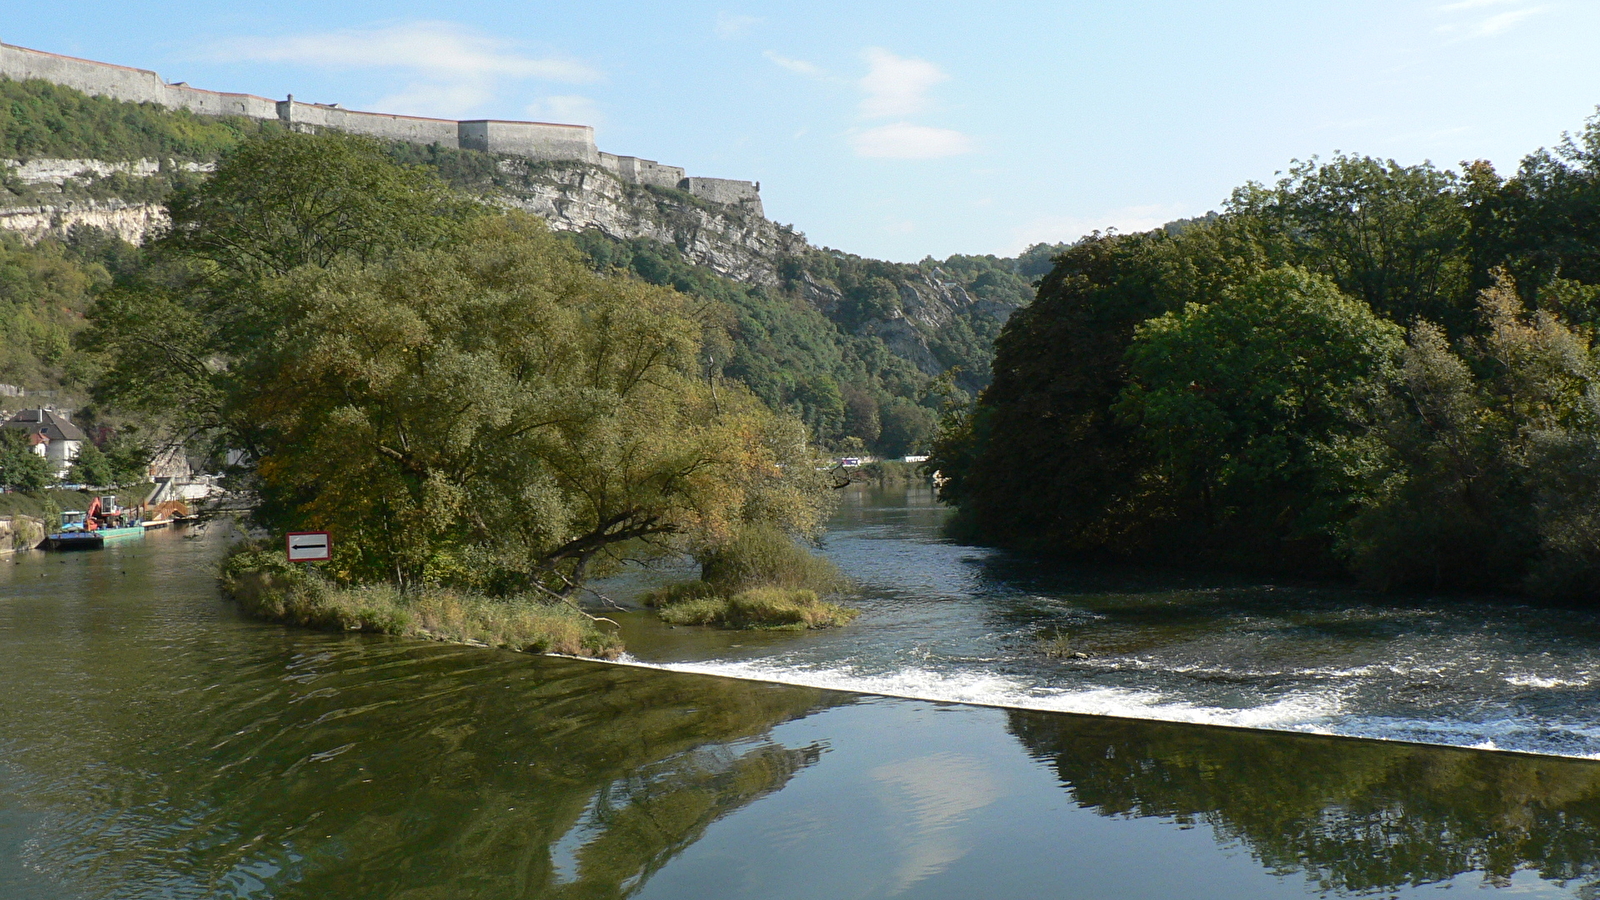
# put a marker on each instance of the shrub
(771, 608)
(268, 587)
(762, 556)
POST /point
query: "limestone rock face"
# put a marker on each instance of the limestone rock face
(732, 240)
(132, 221)
(737, 242)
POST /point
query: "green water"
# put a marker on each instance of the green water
(155, 745)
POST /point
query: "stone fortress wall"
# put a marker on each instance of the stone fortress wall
(532, 140)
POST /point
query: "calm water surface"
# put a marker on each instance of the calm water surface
(153, 744)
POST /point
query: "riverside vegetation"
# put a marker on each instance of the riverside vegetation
(484, 423)
(1368, 368)
(761, 579)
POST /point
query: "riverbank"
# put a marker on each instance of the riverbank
(266, 588)
(20, 533)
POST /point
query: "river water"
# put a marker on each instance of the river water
(955, 623)
(153, 744)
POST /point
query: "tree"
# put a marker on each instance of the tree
(1395, 236)
(490, 414)
(450, 390)
(20, 467)
(1042, 459)
(91, 467)
(907, 427)
(298, 199)
(1250, 405)
(1544, 222)
(129, 458)
(273, 206)
(1492, 469)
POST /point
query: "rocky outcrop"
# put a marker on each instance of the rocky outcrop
(132, 221)
(20, 533)
(733, 240)
(44, 197)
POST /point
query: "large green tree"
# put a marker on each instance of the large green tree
(1253, 406)
(493, 414)
(20, 467)
(1234, 388)
(447, 388)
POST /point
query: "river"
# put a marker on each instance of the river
(155, 744)
(949, 622)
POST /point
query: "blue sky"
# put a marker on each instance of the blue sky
(900, 130)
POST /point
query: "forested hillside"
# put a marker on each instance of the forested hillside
(1368, 367)
(868, 353)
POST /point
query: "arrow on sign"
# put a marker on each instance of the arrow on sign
(310, 546)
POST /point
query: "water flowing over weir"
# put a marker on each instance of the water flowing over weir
(154, 744)
(947, 622)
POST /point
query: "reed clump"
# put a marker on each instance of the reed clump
(267, 588)
(762, 580)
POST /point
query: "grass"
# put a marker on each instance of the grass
(763, 579)
(768, 608)
(1061, 646)
(267, 588)
(34, 503)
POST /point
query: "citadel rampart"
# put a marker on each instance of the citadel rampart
(532, 140)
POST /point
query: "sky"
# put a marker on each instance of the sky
(905, 130)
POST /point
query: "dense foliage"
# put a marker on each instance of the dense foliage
(45, 289)
(448, 389)
(1382, 369)
(852, 391)
(40, 119)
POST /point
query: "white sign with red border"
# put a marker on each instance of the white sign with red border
(310, 546)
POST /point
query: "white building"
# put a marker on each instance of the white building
(52, 435)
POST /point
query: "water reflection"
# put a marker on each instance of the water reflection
(1355, 817)
(154, 745)
(301, 765)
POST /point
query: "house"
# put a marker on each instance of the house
(52, 435)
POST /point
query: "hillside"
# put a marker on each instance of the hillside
(866, 351)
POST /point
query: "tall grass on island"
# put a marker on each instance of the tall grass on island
(267, 587)
(761, 580)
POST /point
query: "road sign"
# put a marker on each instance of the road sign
(310, 546)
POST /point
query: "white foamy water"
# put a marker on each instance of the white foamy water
(949, 623)
(1297, 712)
(1323, 713)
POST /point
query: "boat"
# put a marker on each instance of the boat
(89, 529)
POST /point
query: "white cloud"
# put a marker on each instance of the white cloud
(565, 108)
(895, 85)
(443, 48)
(454, 68)
(731, 26)
(903, 140)
(1496, 24)
(798, 66)
(1466, 23)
